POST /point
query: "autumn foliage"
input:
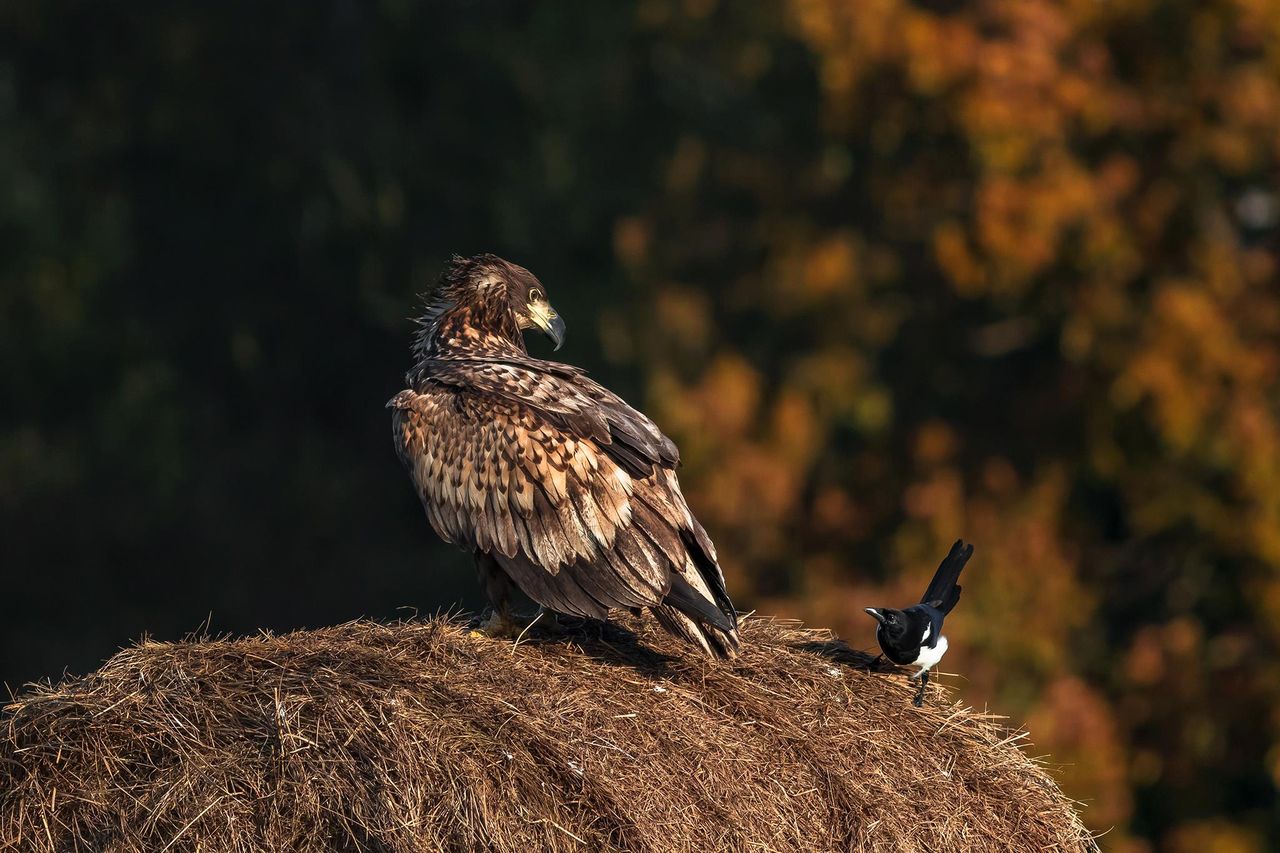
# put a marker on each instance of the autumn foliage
(1021, 287)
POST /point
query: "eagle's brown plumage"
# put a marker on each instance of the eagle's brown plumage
(554, 482)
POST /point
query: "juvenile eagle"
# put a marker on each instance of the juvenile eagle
(552, 481)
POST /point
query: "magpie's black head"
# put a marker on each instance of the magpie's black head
(893, 623)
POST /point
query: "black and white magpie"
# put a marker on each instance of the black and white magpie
(913, 637)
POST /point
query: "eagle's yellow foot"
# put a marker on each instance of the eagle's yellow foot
(512, 626)
(498, 625)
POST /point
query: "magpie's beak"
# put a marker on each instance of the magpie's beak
(874, 614)
(548, 320)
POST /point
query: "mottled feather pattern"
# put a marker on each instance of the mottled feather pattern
(502, 478)
(568, 398)
(570, 490)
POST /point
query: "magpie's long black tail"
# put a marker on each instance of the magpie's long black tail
(943, 589)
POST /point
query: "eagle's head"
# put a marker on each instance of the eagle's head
(483, 303)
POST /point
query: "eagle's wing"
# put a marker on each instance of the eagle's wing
(569, 399)
(573, 492)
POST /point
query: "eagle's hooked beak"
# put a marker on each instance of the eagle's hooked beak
(548, 320)
(875, 614)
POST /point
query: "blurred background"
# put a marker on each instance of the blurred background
(890, 273)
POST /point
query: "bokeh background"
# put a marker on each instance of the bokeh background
(890, 273)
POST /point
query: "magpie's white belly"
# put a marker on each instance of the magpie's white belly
(929, 657)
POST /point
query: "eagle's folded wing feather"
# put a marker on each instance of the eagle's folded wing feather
(571, 490)
(554, 510)
(570, 400)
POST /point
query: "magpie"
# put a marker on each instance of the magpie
(913, 637)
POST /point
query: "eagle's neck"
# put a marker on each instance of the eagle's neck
(476, 330)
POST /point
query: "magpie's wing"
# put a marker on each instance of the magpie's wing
(927, 620)
(943, 591)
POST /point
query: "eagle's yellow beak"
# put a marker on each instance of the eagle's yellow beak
(546, 319)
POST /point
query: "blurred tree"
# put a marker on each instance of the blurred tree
(1015, 279)
(889, 272)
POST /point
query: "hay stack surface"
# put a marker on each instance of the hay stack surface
(421, 736)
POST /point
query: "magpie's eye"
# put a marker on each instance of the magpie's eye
(535, 295)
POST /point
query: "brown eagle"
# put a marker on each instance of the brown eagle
(552, 481)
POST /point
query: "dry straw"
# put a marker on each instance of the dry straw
(421, 736)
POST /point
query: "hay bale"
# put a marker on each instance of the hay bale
(420, 736)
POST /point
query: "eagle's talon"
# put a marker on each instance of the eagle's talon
(501, 626)
(513, 626)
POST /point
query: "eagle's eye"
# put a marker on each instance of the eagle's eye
(535, 295)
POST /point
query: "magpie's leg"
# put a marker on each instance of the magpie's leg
(924, 682)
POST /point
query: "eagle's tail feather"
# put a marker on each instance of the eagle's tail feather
(713, 641)
(692, 602)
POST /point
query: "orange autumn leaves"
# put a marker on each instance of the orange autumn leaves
(1023, 288)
